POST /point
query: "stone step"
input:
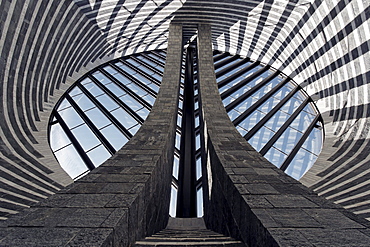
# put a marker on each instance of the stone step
(193, 244)
(188, 232)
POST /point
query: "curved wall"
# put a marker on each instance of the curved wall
(46, 45)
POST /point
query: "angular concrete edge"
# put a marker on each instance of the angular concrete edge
(125, 199)
(247, 197)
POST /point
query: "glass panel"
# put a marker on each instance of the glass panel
(241, 130)
(175, 170)
(122, 79)
(233, 114)
(71, 117)
(83, 102)
(134, 129)
(310, 109)
(275, 157)
(124, 118)
(107, 102)
(198, 168)
(114, 136)
(290, 106)
(299, 95)
(178, 141)
(179, 120)
(141, 78)
(71, 161)
(301, 163)
(115, 89)
(240, 92)
(277, 120)
(100, 77)
(173, 201)
(242, 107)
(127, 69)
(302, 121)
(64, 104)
(136, 89)
(97, 117)
(262, 136)
(314, 141)
(200, 202)
(288, 140)
(197, 142)
(85, 137)
(85, 81)
(143, 113)
(75, 91)
(131, 102)
(282, 92)
(196, 121)
(154, 87)
(148, 98)
(98, 155)
(110, 70)
(251, 120)
(276, 80)
(93, 89)
(58, 137)
(133, 62)
(268, 105)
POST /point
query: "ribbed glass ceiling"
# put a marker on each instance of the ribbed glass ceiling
(272, 113)
(107, 106)
(103, 110)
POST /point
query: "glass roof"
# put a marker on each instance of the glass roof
(271, 111)
(103, 110)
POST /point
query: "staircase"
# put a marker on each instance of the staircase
(188, 232)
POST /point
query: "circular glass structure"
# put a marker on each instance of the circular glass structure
(103, 110)
(271, 112)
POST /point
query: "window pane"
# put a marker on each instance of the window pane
(58, 138)
(301, 163)
(262, 136)
(277, 120)
(131, 102)
(288, 140)
(98, 155)
(114, 136)
(175, 170)
(314, 141)
(275, 156)
(302, 121)
(198, 168)
(115, 89)
(101, 78)
(85, 137)
(71, 117)
(124, 118)
(200, 202)
(97, 117)
(173, 201)
(71, 161)
(93, 89)
(290, 106)
(83, 102)
(251, 120)
(107, 102)
(64, 104)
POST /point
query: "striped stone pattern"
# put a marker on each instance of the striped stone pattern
(46, 45)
